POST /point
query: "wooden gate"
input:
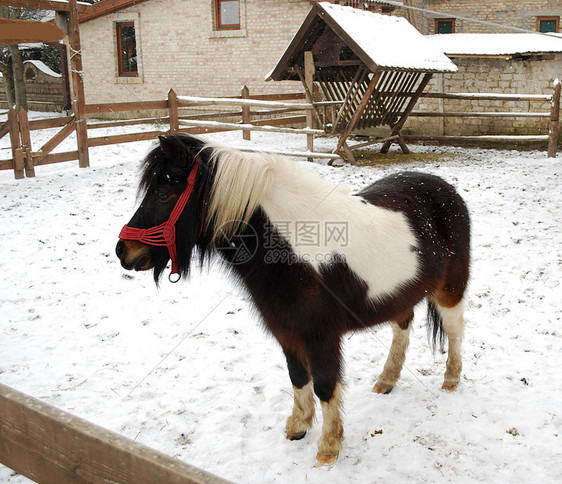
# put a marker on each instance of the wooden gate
(24, 158)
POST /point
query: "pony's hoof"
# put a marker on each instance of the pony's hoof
(296, 435)
(325, 459)
(450, 386)
(382, 388)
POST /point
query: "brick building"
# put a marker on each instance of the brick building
(141, 49)
(530, 15)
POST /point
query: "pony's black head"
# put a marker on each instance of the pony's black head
(164, 178)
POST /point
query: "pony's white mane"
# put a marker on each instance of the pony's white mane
(240, 185)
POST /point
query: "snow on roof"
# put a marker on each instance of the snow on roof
(43, 68)
(496, 44)
(391, 42)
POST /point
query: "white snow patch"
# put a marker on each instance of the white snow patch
(495, 44)
(188, 370)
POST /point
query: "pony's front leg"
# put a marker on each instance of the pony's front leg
(302, 417)
(329, 444)
(325, 367)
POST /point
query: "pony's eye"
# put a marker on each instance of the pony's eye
(163, 197)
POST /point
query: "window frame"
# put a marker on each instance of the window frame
(443, 20)
(556, 19)
(120, 72)
(221, 27)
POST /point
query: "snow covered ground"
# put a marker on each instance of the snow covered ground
(187, 369)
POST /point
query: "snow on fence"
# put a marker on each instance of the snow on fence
(46, 444)
(271, 113)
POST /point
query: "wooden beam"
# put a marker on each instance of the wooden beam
(26, 143)
(4, 129)
(303, 154)
(120, 107)
(173, 112)
(78, 95)
(47, 444)
(252, 127)
(398, 126)
(39, 159)
(57, 6)
(484, 96)
(124, 138)
(477, 114)
(227, 101)
(554, 129)
(246, 117)
(36, 124)
(309, 70)
(58, 138)
(19, 31)
(106, 7)
(15, 143)
(359, 110)
(499, 137)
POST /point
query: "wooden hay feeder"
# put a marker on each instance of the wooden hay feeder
(371, 68)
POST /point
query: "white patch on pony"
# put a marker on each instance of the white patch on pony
(322, 222)
(376, 243)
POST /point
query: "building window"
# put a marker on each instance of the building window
(126, 49)
(444, 26)
(227, 14)
(548, 24)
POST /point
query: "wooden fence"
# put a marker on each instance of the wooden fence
(49, 445)
(553, 113)
(269, 113)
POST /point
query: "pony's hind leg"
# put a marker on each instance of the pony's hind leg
(396, 356)
(453, 325)
(300, 421)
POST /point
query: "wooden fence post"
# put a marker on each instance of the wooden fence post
(17, 152)
(173, 111)
(246, 133)
(554, 121)
(79, 98)
(309, 70)
(26, 143)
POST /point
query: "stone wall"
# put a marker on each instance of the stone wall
(490, 75)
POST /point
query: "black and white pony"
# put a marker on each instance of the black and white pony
(317, 261)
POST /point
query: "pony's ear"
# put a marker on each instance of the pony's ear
(174, 149)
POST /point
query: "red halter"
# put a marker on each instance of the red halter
(164, 235)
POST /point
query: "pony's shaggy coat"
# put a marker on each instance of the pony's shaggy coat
(402, 239)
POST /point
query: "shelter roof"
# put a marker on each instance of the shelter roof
(496, 44)
(381, 42)
(105, 7)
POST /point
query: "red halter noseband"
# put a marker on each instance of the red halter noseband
(164, 235)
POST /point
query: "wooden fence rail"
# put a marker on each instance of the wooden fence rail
(47, 444)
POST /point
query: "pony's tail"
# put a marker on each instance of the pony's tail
(435, 332)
